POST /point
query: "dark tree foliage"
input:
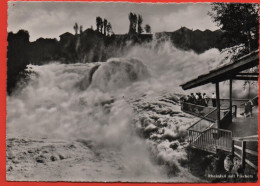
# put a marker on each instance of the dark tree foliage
(133, 22)
(17, 57)
(148, 29)
(139, 24)
(105, 26)
(240, 22)
(44, 50)
(109, 29)
(130, 17)
(99, 23)
(76, 28)
(80, 29)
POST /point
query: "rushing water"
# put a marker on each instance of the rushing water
(72, 101)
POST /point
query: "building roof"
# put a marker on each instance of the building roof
(228, 71)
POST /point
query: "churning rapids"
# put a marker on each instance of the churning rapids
(113, 121)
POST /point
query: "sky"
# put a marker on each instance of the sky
(51, 19)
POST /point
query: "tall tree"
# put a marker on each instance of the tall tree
(80, 29)
(139, 24)
(76, 28)
(105, 26)
(134, 22)
(109, 28)
(130, 17)
(147, 28)
(98, 23)
(240, 22)
(101, 26)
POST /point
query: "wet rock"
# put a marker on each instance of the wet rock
(53, 158)
(10, 168)
(24, 141)
(40, 159)
(150, 128)
(72, 146)
(15, 161)
(61, 157)
(228, 163)
(174, 145)
(237, 166)
(9, 155)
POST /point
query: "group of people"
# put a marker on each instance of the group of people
(197, 99)
(200, 99)
(203, 100)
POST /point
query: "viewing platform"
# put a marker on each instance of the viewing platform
(225, 127)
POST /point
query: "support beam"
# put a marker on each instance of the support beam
(248, 74)
(218, 104)
(251, 78)
(243, 154)
(230, 96)
(233, 148)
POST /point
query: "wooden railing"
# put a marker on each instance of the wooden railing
(224, 102)
(226, 119)
(243, 151)
(205, 122)
(199, 111)
(211, 139)
(202, 111)
(202, 135)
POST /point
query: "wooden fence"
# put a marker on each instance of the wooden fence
(244, 152)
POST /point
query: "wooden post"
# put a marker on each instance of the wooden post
(230, 96)
(189, 136)
(218, 104)
(243, 154)
(233, 148)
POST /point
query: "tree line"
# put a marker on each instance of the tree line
(239, 22)
(136, 22)
(105, 27)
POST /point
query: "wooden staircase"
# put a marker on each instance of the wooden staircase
(205, 136)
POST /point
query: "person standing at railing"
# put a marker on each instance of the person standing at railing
(214, 102)
(182, 100)
(205, 100)
(193, 98)
(190, 100)
(248, 109)
(197, 97)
